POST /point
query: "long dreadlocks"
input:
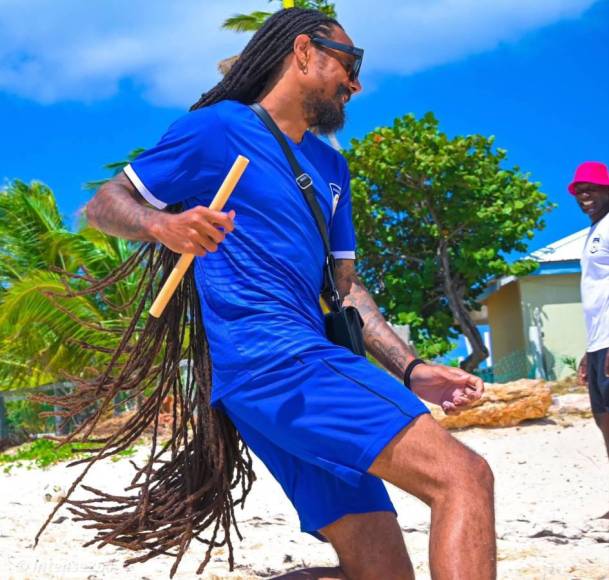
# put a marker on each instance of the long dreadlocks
(186, 486)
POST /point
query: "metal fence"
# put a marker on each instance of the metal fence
(510, 368)
(17, 412)
(521, 365)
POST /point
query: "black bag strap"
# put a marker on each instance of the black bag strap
(305, 183)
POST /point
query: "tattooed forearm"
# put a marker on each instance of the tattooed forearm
(381, 341)
(119, 210)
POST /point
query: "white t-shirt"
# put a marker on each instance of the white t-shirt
(595, 285)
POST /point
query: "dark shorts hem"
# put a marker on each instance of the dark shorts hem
(598, 382)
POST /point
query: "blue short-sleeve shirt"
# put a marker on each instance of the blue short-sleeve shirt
(260, 291)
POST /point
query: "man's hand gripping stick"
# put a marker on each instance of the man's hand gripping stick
(174, 279)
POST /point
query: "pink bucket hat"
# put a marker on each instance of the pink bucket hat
(590, 172)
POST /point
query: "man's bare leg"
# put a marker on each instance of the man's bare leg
(426, 461)
(602, 422)
(369, 547)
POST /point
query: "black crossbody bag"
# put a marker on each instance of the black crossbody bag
(343, 325)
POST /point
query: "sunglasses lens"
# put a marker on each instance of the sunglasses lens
(357, 53)
(357, 64)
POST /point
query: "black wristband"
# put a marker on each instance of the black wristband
(413, 363)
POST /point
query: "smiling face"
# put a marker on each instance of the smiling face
(329, 86)
(593, 200)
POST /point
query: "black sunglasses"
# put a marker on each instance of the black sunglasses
(357, 54)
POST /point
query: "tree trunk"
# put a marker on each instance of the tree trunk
(461, 314)
(3, 420)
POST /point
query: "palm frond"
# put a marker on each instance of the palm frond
(246, 22)
(93, 255)
(27, 214)
(45, 324)
(115, 167)
(41, 327)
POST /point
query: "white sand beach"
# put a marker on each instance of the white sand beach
(552, 481)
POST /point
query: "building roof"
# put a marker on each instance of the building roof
(560, 257)
(563, 250)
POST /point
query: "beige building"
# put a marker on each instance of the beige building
(537, 322)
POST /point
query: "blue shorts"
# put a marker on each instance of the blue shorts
(598, 382)
(318, 423)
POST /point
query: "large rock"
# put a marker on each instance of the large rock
(502, 405)
(577, 404)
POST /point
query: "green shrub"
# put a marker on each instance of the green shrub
(44, 452)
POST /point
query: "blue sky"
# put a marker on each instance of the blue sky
(82, 86)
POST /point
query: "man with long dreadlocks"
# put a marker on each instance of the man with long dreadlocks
(329, 425)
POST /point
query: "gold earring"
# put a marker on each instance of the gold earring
(305, 69)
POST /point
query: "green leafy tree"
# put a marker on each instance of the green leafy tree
(42, 332)
(436, 218)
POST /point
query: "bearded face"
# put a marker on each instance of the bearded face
(326, 113)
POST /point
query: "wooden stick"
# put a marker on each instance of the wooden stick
(172, 282)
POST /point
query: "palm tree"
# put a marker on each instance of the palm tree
(43, 333)
(115, 167)
(253, 21)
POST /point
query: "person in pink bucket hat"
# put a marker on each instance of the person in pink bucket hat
(590, 186)
(590, 173)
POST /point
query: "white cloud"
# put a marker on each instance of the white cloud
(75, 50)
(412, 35)
(70, 49)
